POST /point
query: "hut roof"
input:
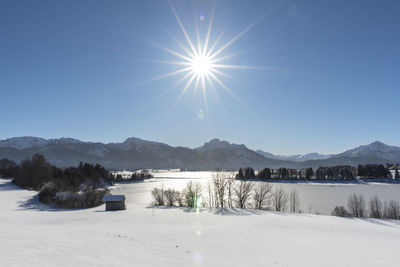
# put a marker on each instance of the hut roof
(110, 198)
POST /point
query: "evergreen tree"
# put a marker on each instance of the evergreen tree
(309, 173)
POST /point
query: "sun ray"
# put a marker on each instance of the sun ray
(171, 51)
(214, 45)
(198, 33)
(224, 86)
(234, 39)
(185, 89)
(228, 66)
(223, 74)
(211, 83)
(203, 64)
(219, 59)
(178, 19)
(188, 52)
(196, 87)
(203, 84)
(182, 63)
(187, 75)
(210, 24)
(170, 74)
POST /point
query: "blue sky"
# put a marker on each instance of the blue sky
(329, 79)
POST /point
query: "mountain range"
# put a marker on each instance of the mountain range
(135, 153)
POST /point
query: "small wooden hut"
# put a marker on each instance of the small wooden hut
(114, 202)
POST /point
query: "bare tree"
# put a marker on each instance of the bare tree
(262, 195)
(242, 193)
(219, 183)
(340, 211)
(229, 187)
(375, 207)
(211, 199)
(158, 195)
(392, 210)
(280, 199)
(294, 201)
(356, 204)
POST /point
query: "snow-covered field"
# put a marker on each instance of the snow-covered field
(315, 197)
(32, 234)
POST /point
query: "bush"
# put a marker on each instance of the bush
(356, 205)
(340, 211)
(158, 196)
(88, 198)
(280, 200)
(67, 200)
(192, 194)
(48, 192)
(375, 207)
(392, 210)
(171, 197)
(91, 196)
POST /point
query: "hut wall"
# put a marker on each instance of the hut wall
(115, 205)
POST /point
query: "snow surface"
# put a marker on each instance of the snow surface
(33, 234)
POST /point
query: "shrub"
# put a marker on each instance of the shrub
(171, 196)
(375, 207)
(158, 195)
(392, 210)
(340, 211)
(192, 193)
(356, 205)
(280, 200)
(48, 192)
(88, 198)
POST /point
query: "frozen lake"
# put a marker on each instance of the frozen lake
(314, 197)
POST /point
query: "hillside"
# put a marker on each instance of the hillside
(36, 235)
(135, 153)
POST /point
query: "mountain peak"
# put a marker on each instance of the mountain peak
(216, 143)
(377, 144)
(23, 142)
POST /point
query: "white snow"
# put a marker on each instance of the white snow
(33, 234)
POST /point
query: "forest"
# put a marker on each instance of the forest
(74, 187)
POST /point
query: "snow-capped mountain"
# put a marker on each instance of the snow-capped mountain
(374, 150)
(231, 156)
(24, 142)
(297, 157)
(135, 153)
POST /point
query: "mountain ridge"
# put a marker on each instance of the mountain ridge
(135, 153)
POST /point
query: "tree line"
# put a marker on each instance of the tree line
(357, 206)
(73, 187)
(136, 176)
(321, 173)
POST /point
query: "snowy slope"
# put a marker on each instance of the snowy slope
(374, 150)
(33, 235)
(297, 157)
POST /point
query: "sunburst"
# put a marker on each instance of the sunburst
(201, 64)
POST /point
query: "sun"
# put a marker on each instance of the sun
(201, 65)
(201, 61)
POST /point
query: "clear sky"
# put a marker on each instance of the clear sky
(327, 79)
